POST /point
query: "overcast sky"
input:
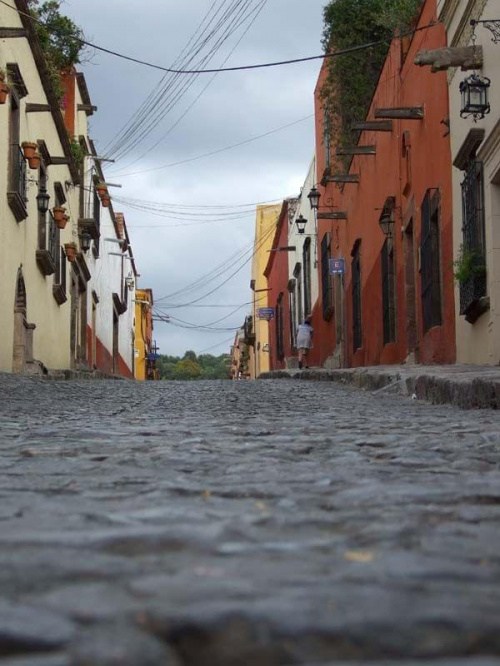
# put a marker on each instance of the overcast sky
(235, 107)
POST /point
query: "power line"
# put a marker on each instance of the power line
(240, 68)
(222, 342)
(215, 152)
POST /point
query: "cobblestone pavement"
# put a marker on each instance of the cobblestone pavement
(245, 524)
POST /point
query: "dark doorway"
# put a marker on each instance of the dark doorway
(410, 291)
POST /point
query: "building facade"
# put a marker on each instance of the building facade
(475, 148)
(145, 347)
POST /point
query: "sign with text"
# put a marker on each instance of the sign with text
(337, 266)
(265, 313)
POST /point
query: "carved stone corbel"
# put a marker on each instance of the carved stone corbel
(465, 57)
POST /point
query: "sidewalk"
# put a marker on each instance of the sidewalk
(465, 386)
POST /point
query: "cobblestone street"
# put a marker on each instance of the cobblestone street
(245, 524)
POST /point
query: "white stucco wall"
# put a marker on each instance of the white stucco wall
(478, 342)
(20, 239)
(298, 240)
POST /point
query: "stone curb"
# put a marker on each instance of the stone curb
(472, 392)
(67, 375)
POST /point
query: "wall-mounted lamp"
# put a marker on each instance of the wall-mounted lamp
(301, 223)
(42, 201)
(314, 197)
(85, 240)
(386, 221)
(474, 90)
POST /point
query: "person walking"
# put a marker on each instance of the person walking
(304, 340)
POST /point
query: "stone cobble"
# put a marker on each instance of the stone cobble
(245, 524)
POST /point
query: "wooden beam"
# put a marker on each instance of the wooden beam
(57, 161)
(88, 108)
(405, 113)
(339, 215)
(343, 178)
(358, 150)
(6, 33)
(37, 108)
(373, 126)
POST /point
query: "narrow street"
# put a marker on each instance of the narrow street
(245, 524)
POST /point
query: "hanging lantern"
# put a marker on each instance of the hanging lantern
(301, 223)
(85, 240)
(474, 90)
(314, 197)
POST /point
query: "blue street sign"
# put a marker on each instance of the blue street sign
(265, 312)
(152, 357)
(337, 266)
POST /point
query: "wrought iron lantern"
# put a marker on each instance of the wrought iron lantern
(314, 197)
(42, 201)
(301, 223)
(85, 240)
(386, 220)
(474, 90)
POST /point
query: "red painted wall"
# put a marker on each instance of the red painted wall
(104, 359)
(277, 282)
(406, 175)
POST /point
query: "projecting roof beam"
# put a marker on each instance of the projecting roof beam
(373, 126)
(343, 178)
(358, 150)
(338, 215)
(404, 113)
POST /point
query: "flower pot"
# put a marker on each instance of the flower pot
(29, 149)
(70, 249)
(106, 201)
(62, 222)
(58, 213)
(4, 91)
(101, 190)
(34, 162)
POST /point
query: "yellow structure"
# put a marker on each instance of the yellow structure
(265, 226)
(143, 346)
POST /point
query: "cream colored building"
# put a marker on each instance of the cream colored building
(34, 268)
(265, 225)
(476, 183)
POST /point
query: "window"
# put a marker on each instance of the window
(280, 338)
(48, 233)
(292, 307)
(430, 261)
(388, 291)
(16, 195)
(97, 219)
(326, 279)
(306, 257)
(356, 298)
(298, 278)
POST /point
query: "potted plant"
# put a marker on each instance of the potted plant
(4, 88)
(101, 190)
(469, 264)
(58, 212)
(70, 249)
(34, 162)
(106, 200)
(29, 149)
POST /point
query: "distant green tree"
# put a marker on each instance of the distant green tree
(187, 369)
(190, 367)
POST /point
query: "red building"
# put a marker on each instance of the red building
(395, 301)
(276, 272)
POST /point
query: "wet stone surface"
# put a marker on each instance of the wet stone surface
(245, 524)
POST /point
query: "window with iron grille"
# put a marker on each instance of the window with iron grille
(280, 337)
(298, 277)
(474, 244)
(48, 233)
(357, 332)
(388, 291)
(306, 256)
(430, 257)
(17, 194)
(292, 306)
(97, 218)
(326, 278)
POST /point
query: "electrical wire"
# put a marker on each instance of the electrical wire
(215, 152)
(240, 68)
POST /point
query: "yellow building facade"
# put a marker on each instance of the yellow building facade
(265, 226)
(143, 345)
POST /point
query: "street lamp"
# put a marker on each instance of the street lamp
(314, 197)
(474, 90)
(385, 221)
(42, 201)
(301, 223)
(85, 239)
